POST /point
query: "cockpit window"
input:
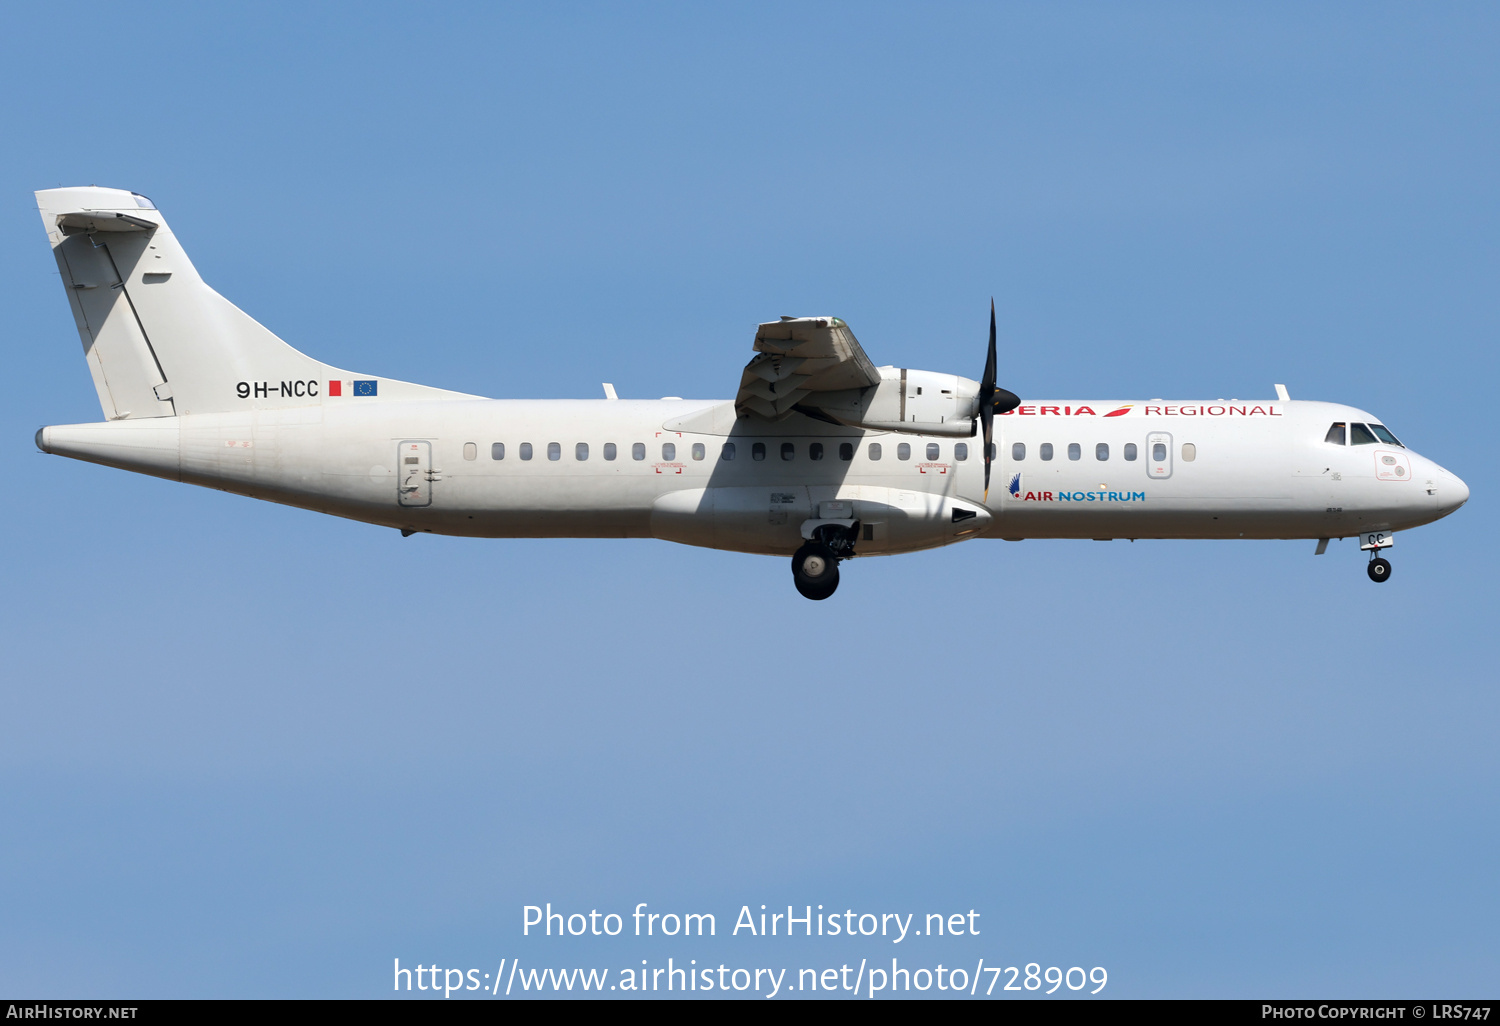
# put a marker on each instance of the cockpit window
(1385, 435)
(1360, 435)
(143, 202)
(1336, 434)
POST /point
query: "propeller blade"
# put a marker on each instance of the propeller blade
(987, 382)
(992, 400)
(987, 402)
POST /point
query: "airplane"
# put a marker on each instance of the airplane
(821, 455)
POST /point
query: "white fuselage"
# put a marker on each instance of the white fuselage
(820, 455)
(1251, 470)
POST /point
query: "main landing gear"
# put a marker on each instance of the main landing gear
(815, 566)
(1379, 570)
(815, 571)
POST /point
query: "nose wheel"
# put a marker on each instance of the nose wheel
(1379, 570)
(815, 571)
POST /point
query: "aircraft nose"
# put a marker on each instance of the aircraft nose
(1447, 487)
(1452, 492)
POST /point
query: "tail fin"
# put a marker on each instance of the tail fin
(159, 341)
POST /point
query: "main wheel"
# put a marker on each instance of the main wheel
(816, 592)
(1379, 570)
(815, 571)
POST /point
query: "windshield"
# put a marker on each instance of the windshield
(1384, 435)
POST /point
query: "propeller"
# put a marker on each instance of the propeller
(992, 400)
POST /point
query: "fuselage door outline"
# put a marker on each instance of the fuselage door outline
(1158, 455)
(414, 473)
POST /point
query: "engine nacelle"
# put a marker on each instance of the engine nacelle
(912, 401)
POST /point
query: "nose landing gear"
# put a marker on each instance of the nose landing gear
(1372, 542)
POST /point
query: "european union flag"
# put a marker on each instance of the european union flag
(364, 387)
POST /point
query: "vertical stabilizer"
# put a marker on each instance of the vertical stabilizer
(159, 341)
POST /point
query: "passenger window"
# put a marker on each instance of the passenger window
(1075, 451)
(1159, 452)
(933, 452)
(1046, 451)
(471, 451)
(1130, 452)
(788, 450)
(992, 450)
(497, 451)
(846, 451)
(874, 450)
(960, 451)
(758, 451)
(1385, 436)
(525, 450)
(1018, 450)
(638, 451)
(610, 452)
(727, 453)
(699, 451)
(1360, 435)
(1101, 452)
(668, 451)
(903, 451)
(554, 451)
(1189, 452)
(1335, 434)
(815, 451)
(581, 451)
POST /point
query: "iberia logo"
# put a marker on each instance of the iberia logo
(1121, 411)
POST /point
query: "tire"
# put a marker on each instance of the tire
(815, 571)
(1379, 570)
(814, 591)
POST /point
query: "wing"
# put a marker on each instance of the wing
(796, 357)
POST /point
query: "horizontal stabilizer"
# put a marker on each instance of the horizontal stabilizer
(102, 221)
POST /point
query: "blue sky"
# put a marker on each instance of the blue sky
(254, 751)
